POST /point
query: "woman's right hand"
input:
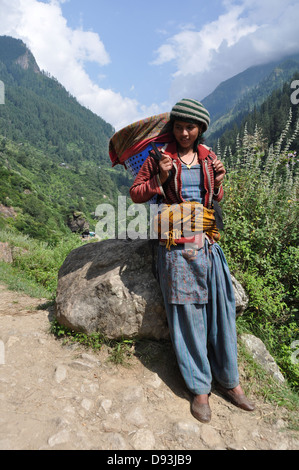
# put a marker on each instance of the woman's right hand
(165, 165)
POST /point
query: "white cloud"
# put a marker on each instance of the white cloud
(248, 33)
(62, 51)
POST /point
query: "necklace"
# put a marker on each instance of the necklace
(190, 164)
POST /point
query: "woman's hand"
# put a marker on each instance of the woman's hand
(165, 165)
(219, 172)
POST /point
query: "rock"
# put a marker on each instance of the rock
(60, 373)
(240, 296)
(60, 438)
(5, 252)
(7, 212)
(77, 223)
(80, 365)
(143, 439)
(113, 423)
(261, 355)
(136, 416)
(109, 287)
(87, 404)
(115, 441)
(211, 438)
(106, 405)
(154, 381)
(185, 427)
(133, 394)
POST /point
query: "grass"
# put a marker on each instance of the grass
(256, 381)
(15, 280)
(120, 351)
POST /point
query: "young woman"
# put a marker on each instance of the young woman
(193, 273)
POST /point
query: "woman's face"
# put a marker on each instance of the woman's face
(186, 133)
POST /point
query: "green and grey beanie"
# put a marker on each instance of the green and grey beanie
(190, 110)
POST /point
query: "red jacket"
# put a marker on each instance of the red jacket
(147, 183)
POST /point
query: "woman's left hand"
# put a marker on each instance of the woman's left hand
(219, 172)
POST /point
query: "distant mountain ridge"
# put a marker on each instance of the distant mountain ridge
(15, 51)
(53, 151)
(240, 94)
(40, 110)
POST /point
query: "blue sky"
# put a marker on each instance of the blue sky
(129, 59)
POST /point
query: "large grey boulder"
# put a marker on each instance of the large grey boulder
(109, 287)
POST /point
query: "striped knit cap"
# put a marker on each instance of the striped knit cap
(193, 110)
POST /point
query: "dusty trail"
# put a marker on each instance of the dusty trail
(60, 397)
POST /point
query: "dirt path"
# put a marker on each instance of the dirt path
(60, 397)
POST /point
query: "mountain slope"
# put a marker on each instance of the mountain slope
(271, 116)
(53, 152)
(40, 110)
(235, 97)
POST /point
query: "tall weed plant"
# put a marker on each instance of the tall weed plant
(260, 239)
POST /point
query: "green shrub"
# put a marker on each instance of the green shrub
(260, 240)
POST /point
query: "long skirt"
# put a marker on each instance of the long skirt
(202, 326)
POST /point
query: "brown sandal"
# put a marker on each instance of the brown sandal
(201, 411)
(239, 400)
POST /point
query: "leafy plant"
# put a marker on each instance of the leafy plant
(120, 351)
(260, 239)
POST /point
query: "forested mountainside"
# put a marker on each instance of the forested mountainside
(53, 151)
(270, 116)
(240, 95)
(41, 112)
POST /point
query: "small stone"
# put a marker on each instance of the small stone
(115, 441)
(135, 416)
(143, 439)
(134, 394)
(211, 437)
(11, 341)
(89, 358)
(86, 404)
(113, 423)
(80, 365)
(186, 427)
(154, 381)
(60, 438)
(106, 405)
(60, 373)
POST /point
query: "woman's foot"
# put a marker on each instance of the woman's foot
(237, 397)
(200, 408)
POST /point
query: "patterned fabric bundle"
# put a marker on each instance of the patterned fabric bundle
(134, 138)
(182, 220)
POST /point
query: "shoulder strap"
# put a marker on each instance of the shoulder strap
(208, 153)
